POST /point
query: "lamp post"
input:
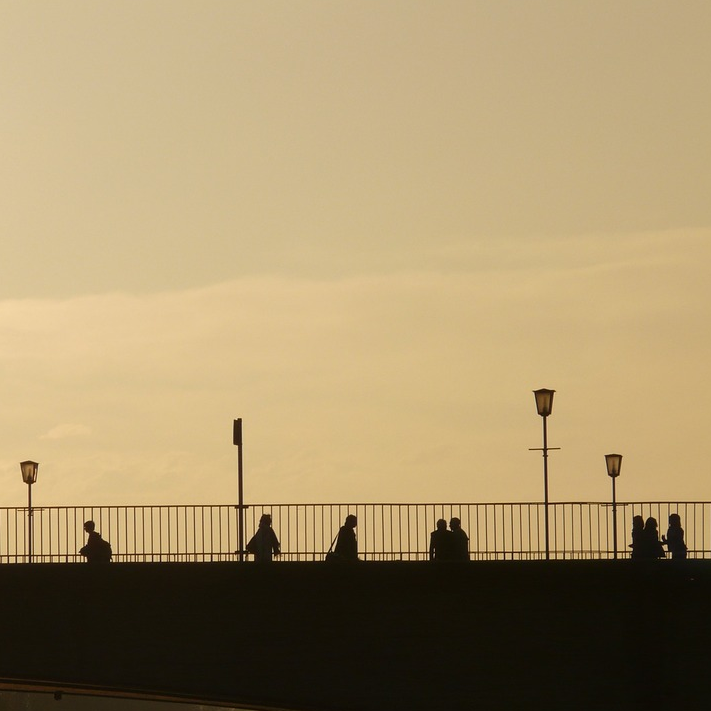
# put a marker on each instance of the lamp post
(544, 407)
(29, 476)
(613, 462)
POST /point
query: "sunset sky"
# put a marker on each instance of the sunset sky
(369, 229)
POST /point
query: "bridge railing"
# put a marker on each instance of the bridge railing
(386, 531)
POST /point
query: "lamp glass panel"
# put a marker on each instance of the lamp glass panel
(614, 464)
(29, 471)
(544, 401)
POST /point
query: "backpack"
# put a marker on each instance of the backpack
(104, 552)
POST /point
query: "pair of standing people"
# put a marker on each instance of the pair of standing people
(450, 544)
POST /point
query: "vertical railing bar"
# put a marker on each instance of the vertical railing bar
(313, 537)
(486, 530)
(211, 528)
(195, 518)
(143, 532)
(401, 538)
(408, 529)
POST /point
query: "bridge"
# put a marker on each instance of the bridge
(369, 636)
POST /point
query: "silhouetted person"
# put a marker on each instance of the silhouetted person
(651, 545)
(441, 542)
(674, 540)
(346, 543)
(96, 550)
(459, 541)
(637, 544)
(264, 543)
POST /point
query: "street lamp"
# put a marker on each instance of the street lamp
(613, 462)
(29, 476)
(544, 407)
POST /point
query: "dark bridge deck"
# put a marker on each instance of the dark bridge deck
(375, 636)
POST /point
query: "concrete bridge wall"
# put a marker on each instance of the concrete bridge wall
(369, 637)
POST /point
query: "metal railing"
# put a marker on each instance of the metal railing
(497, 531)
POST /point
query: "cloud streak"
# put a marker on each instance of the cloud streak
(67, 430)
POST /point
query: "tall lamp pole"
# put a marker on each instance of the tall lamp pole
(237, 441)
(613, 462)
(29, 476)
(544, 406)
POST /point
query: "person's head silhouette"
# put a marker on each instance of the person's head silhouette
(265, 521)
(441, 525)
(89, 526)
(351, 521)
(651, 524)
(455, 524)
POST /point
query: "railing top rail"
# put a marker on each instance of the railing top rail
(367, 503)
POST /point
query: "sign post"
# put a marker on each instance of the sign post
(237, 441)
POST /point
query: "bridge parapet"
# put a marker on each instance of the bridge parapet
(368, 636)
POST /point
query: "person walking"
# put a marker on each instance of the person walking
(264, 544)
(96, 550)
(346, 544)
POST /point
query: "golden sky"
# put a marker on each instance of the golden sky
(370, 229)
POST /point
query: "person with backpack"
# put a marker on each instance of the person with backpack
(96, 550)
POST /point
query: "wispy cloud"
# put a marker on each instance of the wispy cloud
(67, 430)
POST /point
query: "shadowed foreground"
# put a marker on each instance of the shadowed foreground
(374, 636)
